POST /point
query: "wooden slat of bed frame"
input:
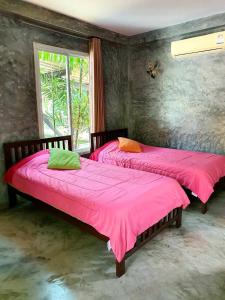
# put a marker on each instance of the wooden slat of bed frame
(16, 151)
(98, 139)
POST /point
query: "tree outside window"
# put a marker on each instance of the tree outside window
(64, 92)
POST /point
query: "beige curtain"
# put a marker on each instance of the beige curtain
(96, 86)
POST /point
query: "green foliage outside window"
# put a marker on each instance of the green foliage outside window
(56, 95)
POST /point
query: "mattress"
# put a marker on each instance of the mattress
(119, 203)
(197, 171)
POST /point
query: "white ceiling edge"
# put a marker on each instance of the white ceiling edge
(132, 17)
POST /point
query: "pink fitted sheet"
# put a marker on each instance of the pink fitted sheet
(119, 203)
(197, 171)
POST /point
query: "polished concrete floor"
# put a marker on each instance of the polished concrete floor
(44, 258)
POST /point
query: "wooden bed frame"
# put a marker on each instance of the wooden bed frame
(16, 151)
(100, 138)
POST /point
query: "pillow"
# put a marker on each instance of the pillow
(63, 159)
(128, 145)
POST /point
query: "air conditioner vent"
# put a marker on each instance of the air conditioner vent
(205, 43)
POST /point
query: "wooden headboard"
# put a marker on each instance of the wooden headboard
(100, 138)
(16, 151)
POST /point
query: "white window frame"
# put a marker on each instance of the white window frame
(67, 52)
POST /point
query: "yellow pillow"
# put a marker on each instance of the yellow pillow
(128, 145)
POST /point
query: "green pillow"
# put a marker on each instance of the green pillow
(63, 159)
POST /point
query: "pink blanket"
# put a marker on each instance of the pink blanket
(196, 171)
(119, 203)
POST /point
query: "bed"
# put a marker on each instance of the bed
(197, 172)
(123, 207)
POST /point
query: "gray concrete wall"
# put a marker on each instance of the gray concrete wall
(18, 113)
(184, 107)
(115, 61)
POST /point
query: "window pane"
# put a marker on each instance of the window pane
(54, 94)
(79, 84)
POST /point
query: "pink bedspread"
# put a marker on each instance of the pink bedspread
(197, 171)
(119, 203)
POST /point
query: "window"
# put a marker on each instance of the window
(62, 82)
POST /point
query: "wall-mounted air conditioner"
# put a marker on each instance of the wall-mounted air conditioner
(204, 43)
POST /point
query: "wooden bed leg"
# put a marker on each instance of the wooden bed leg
(204, 208)
(179, 218)
(120, 268)
(12, 197)
(222, 181)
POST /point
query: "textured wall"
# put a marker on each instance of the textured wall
(185, 106)
(115, 61)
(18, 112)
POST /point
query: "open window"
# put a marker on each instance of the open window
(62, 83)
